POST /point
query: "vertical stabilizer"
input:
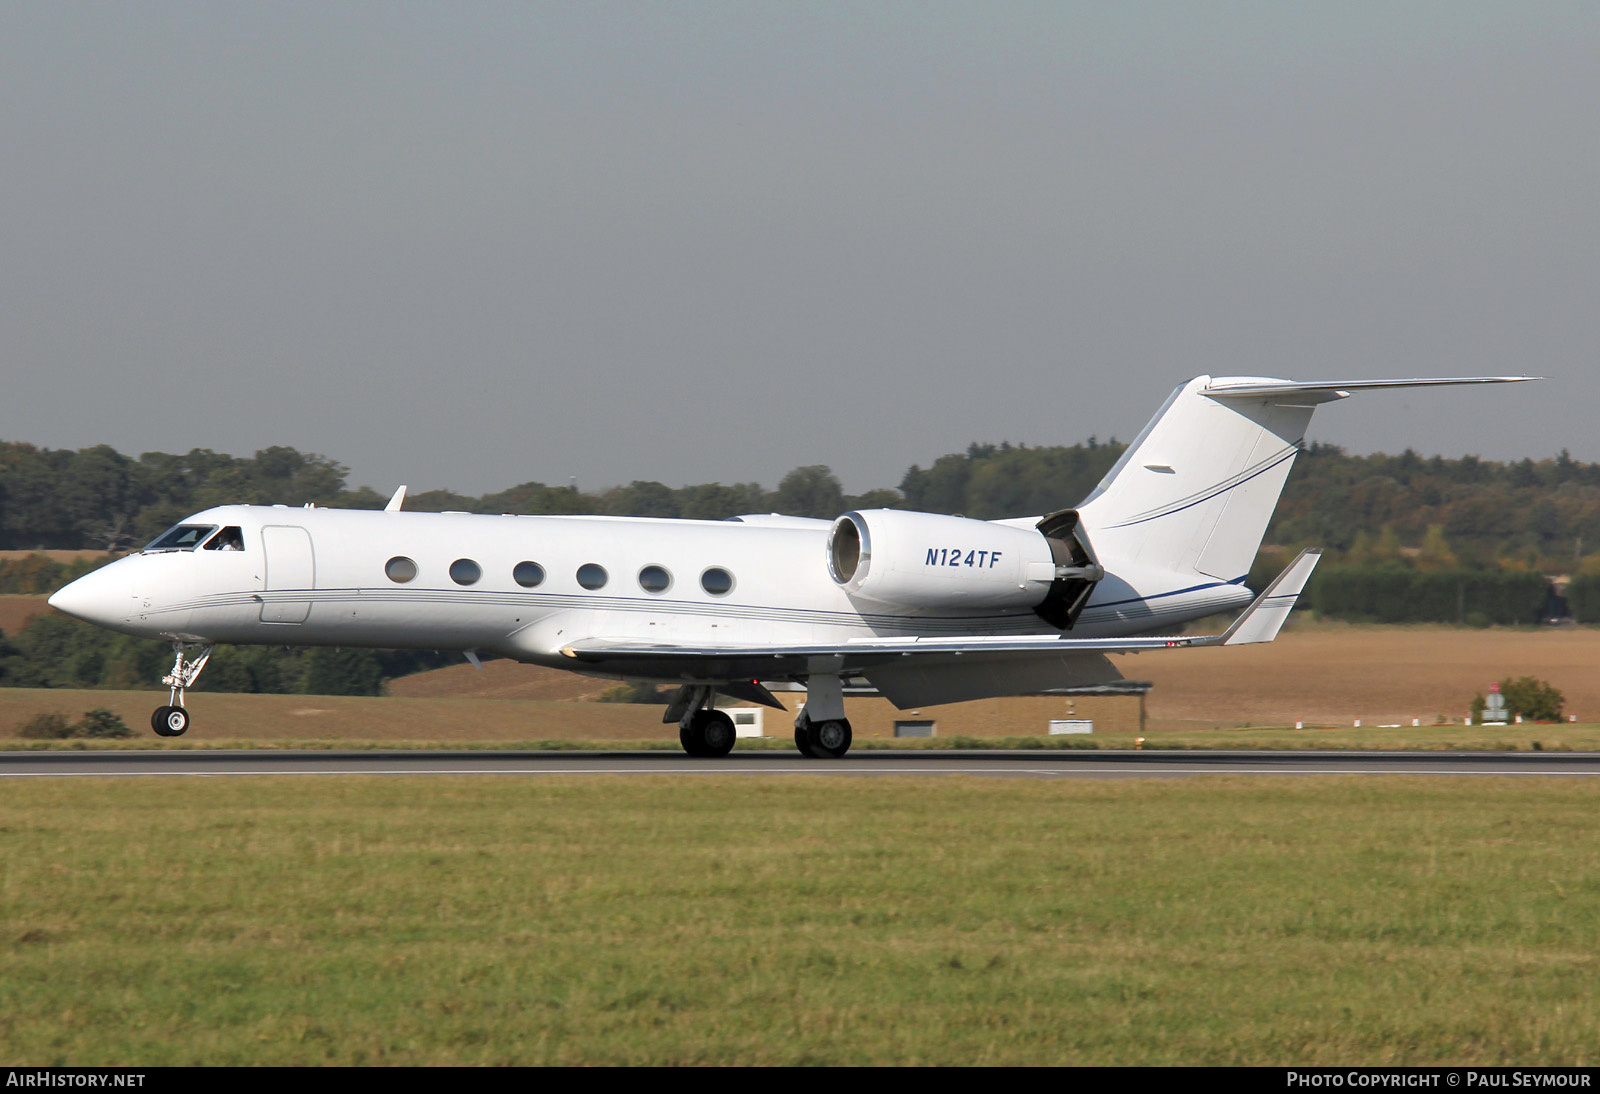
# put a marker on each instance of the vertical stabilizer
(1196, 489)
(1194, 492)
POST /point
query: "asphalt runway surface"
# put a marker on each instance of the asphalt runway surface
(1008, 764)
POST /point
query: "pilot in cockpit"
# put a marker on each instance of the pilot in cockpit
(229, 539)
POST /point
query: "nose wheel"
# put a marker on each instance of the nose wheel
(172, 720)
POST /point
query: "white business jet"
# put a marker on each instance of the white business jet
(928, 608)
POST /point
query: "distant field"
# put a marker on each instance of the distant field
(1336, 673)
(292, 718)
(53, 556)
(499, 680)
(661, 920)
(16, 609)
(1324, 675)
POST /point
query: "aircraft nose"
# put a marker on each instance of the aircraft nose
(96, 597)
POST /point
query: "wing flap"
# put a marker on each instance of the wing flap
(864, 658)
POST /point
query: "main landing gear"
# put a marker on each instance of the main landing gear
(708, 733)
(822, 740)
(703, 730)
(821, 732)
(172, 720)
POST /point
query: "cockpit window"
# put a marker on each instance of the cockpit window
(185, 537)
(229, 539)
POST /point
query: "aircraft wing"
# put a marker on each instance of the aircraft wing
(1259, 622)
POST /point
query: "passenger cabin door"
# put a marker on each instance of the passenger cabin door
(290, 576)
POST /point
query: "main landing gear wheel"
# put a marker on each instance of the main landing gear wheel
(823, 740)
(170, 721)
(710, 733)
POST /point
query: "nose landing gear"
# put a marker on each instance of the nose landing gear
(173, 720)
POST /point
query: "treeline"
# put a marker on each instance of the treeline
(1399, 531)
(1536, 515)
(1394, 595)
(38, 574)
(53, 651)
(1457, 513)
(99, 499)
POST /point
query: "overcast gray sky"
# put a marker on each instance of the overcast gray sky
(467, 245)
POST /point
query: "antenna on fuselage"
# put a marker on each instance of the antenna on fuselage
(396, 501)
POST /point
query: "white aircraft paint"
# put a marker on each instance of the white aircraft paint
(929, 608)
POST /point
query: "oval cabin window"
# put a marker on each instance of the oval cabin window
(716, 581)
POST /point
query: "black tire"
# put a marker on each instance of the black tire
(717, 734)
(829, 740)
(803, 743)
(170, 721)
(709, 734)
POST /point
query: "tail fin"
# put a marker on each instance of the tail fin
(1195, 491)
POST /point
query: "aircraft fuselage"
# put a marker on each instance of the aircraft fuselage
(323, 577)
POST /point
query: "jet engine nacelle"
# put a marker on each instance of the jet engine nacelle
(930, 561)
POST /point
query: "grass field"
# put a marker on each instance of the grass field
(663, 920)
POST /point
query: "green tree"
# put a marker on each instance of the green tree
(875, 499)
(642, 499)
(102, 723)
(1534, 699)
(1436, 553)
(714, 501)
(810, 492)
(535, 498)
(331, 671)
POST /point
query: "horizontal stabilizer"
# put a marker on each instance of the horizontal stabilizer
(1251, 387)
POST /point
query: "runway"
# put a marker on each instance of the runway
(1007, 764)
